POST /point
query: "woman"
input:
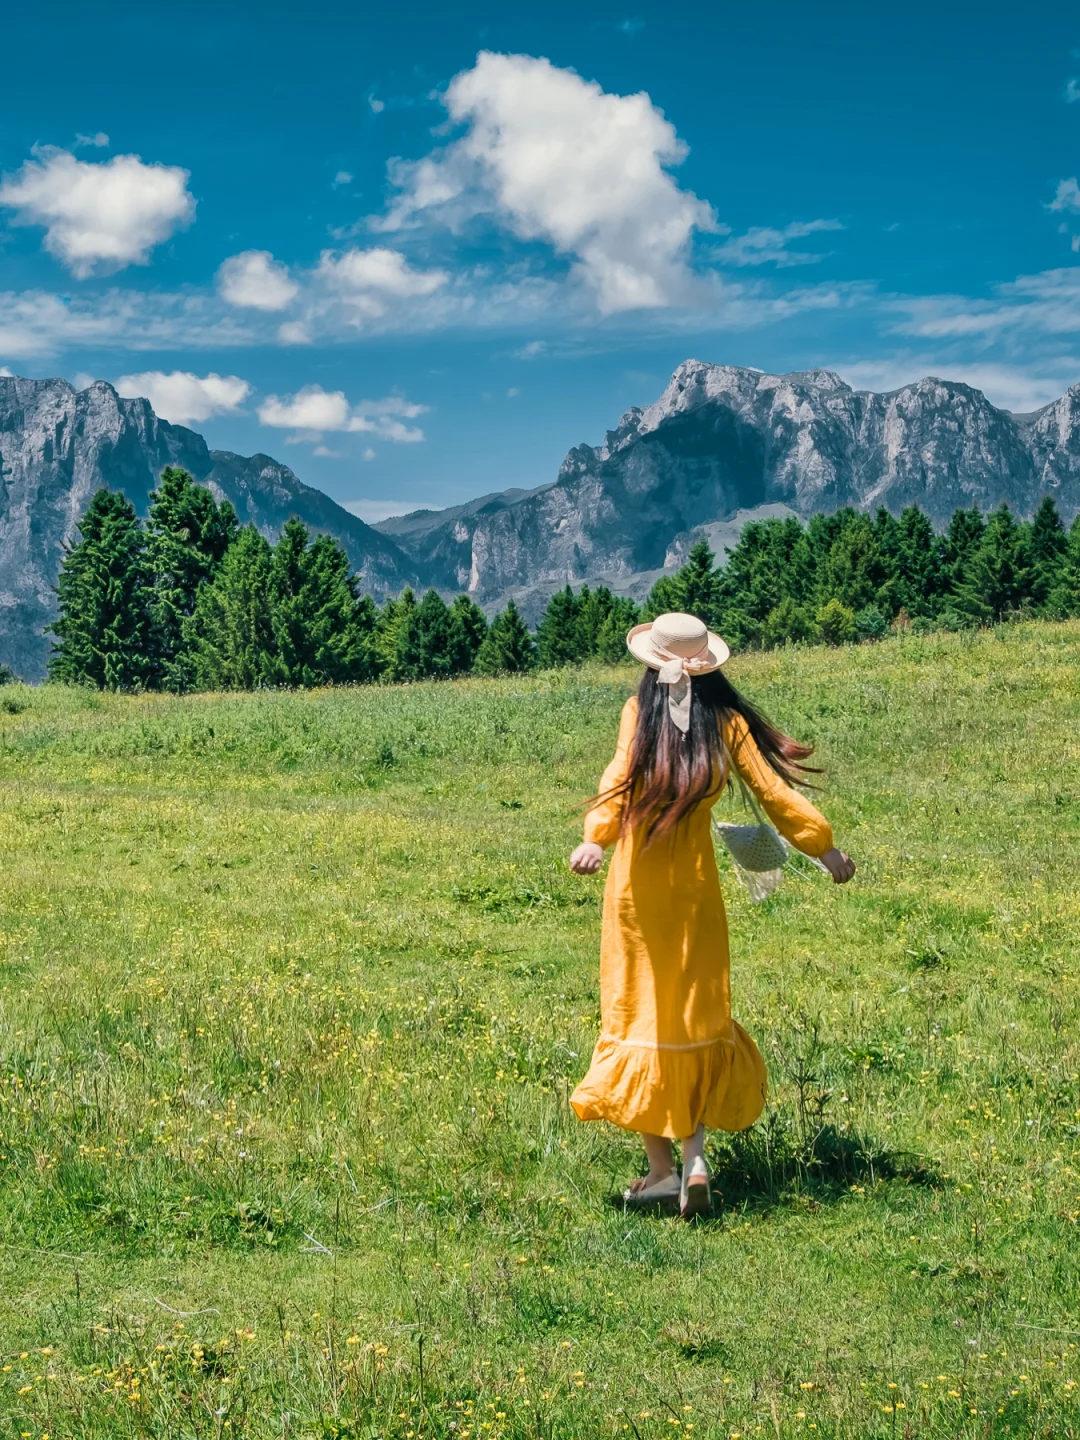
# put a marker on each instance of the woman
(670, 1060)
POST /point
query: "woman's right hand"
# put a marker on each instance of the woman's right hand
(587, 858)
(840, 866)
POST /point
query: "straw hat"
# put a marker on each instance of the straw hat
(677, 637)
(678, 647)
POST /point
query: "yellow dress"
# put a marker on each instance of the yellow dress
(669, 1055)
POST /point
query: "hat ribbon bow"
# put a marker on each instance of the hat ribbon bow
(676, 672)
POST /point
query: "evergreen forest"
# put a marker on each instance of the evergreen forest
(192, 600)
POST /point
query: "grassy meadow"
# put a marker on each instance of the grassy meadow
(293, 989)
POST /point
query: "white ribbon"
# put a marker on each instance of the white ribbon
(676, 672)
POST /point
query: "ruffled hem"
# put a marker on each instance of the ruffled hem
(671, 1092)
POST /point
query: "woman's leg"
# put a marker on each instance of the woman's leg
(693, 1152)
(661, 1162)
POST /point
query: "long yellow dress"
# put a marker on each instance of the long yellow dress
(669, 1055)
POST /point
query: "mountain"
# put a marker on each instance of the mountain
(722, 442)
(59, 445)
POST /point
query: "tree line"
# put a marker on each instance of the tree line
(192, 600)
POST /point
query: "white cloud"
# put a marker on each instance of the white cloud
(377, 106)
(1047, 303)
(342, 178)
(294, 332)
(184, 398)
(367, 282)
(1010, 387)
(312, 411)
(762, 245)
(100, 141)
(556, 158)
(39, 323)
(1072, 91)
(255, 280)
(1067, 196)
(99, 217)
(82, 379)
(6, 374)
(369, 454)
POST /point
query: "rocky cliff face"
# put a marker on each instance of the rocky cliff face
(57, 446)
(722, 440)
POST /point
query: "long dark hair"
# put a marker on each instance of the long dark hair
(670, 773)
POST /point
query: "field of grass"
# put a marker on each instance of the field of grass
(293, 989)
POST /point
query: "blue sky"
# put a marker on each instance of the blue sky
(419, 251)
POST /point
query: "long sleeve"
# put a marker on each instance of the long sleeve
(603, 821)
(792, 814)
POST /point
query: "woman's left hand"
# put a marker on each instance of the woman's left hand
(840, 866)
(587, 858)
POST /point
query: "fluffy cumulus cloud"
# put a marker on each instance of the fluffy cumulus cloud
(369, 282)
(184, 398)
(255, 280)
(313, 411)
(555, 158)
(99, 216)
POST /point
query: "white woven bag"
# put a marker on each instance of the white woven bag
(759, 852)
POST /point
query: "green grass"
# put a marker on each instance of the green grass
(293, 989)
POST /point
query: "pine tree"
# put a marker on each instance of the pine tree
(558, 636)
(955, 550)
(853, 571)
(322, 631)
(1047, 545)
(187, 535)
(230, 641)
(467, 630)
(392, 617)
(103, 629)
(787, 623)
(695, 589)
(1063, 602)
(508, 647)
(423, 644)
(611, 637)
(996, 582)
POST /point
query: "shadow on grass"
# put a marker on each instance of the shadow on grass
(775, 1163)
(796, 1153)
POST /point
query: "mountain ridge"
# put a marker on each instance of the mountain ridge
(724, 439)
(720, 446)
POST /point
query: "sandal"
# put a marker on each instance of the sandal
(661, 1192)
(695, 1192)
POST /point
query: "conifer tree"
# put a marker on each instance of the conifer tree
(230, 641)
(956, 548)
(558, 636)
(103, 628)
(423, 641)
(323, 632)
(621, 618)
(1063, 602)
(1047, 545)
(187, 535)
(695, 589)
(468, 627)
(853, 572)
(508, 647)
(996, 579)
(392, 617)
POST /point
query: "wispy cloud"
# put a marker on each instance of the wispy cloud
(762, 245)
